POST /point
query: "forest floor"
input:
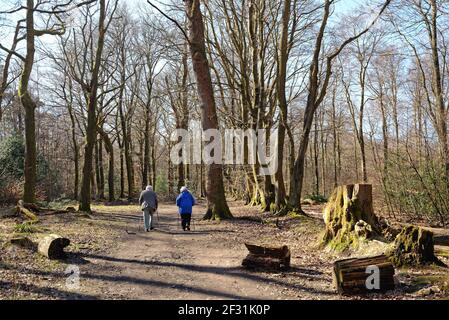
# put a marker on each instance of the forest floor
(117, 260)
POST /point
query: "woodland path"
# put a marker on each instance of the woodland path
(202, 264)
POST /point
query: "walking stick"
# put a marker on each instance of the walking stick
(193, 223)
(158, 220)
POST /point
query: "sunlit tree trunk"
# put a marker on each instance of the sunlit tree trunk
(217, 207)
(91, 130)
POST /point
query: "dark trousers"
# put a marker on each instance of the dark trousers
(185, 220)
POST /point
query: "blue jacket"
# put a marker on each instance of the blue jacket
(185, 202)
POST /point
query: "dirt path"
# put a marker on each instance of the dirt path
(203, 264)
(117, 260)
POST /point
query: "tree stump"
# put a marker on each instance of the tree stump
(52, 246)
(268, 258)
(348, 207)
(414, 246)
(362, 276)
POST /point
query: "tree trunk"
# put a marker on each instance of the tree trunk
(91, 130)
(97, 170)
(315, 158)
(29, 106)
(4, 83)
(298, 169)
(122, 175)
(110, 150)
(101, 170)
(217, 207)
(280, 193)
(146, 151)
(75, 152)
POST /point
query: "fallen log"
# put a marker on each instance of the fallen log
(270, 258)
(52, 246)
(414, 246)
(32, 211)
(24, 242)
(365, 275)
(23, 209)
(30, 206)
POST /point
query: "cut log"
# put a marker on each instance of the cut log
(52, 246)
(414, 246)
(356, 276)
(349, 215)
(270, 258)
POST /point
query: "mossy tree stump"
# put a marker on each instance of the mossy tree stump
(348, 207)
(414, 246)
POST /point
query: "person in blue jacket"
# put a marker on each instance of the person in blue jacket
(185, 202)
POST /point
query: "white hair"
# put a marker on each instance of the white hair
(183, 189)
(149, 188)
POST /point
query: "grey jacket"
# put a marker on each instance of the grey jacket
(149, 197)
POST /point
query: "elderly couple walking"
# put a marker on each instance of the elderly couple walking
(149, 204)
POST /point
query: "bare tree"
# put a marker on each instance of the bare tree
(217, 206)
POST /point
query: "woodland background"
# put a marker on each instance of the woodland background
(380, 113)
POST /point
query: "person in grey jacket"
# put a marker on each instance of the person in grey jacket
(148, 204)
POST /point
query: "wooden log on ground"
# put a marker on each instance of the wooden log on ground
(356, 276)
(52, 246)
(268, 258)
(31, 210)
(30, 206)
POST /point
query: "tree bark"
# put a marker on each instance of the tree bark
(91, 130)
(217, 207)
(110, 150)
(280, 192)
(30, 106)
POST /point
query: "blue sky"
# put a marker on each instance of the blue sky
(342, 7)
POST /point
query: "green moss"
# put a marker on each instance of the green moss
(442, 281)
(317, 198)
(26, 227)
(342, 213)
(218, 211)
(442, 253)
(413, 247)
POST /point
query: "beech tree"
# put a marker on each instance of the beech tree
(217, 207)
